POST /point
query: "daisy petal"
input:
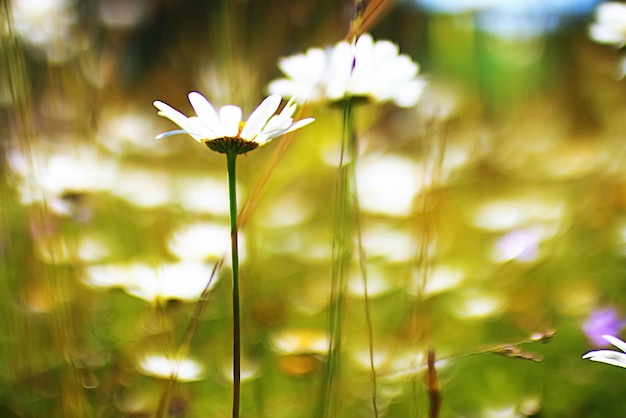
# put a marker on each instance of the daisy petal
(262, 125)
(230, 117)
(268, 135)
(170, 113)
(290, 108)
(200, 130)
(339, 71)
(299, 124)
(608, 357)
(204, 110)
(170, 133)
(291, 66)
(260, 116)
(365, 68)
(608, 361)
(616, 342)
(409, 94)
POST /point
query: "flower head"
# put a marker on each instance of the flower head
(614, 358)
(225, 131)
(610, 24)
(364, 69)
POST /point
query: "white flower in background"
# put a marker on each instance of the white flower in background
(614, 358)
(163, 367)
(610, 28)
(184, 281)
(610, 24)
(47, 25)
(225, 130)
(368, 69)
(203, 240)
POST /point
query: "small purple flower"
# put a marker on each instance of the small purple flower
(602, 322)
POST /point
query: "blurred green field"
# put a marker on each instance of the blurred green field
(493, 215)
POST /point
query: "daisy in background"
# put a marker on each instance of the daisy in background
(373, 70)
(347, 73)
(610, 28)
(610, 24)
(614, 358)
(226, 133)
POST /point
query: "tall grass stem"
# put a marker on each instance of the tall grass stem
(346, 224)
(353, 150)
(341, 254)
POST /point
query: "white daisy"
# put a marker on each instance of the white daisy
(614, 358)
(369, 69)
(225, 130)
(610, 24)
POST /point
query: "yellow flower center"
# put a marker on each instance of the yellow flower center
(241, 125)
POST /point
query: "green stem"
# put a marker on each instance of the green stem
(342, 254)
(231, 158)
(353, 151)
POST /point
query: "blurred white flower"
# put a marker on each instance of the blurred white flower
(199, 241)
(610, 24)
(614, 358)
(365, 69)
(47, 25)
(301, 341)
(183, 281)
(610, 28)
(388, 184)
(163, 367)
(224, 130)
(62, 176)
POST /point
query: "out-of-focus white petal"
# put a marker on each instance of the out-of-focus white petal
(605, 34)
(365, 45)
(308, 67)
(610, 24)
(403, 69)
(285, 88)
(315, 65)
(409, 93)
(292, 66)
(366, 68)
(612, 13)
(385, 50)
(339, 71)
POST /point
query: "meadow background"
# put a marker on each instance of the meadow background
(493, 213)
